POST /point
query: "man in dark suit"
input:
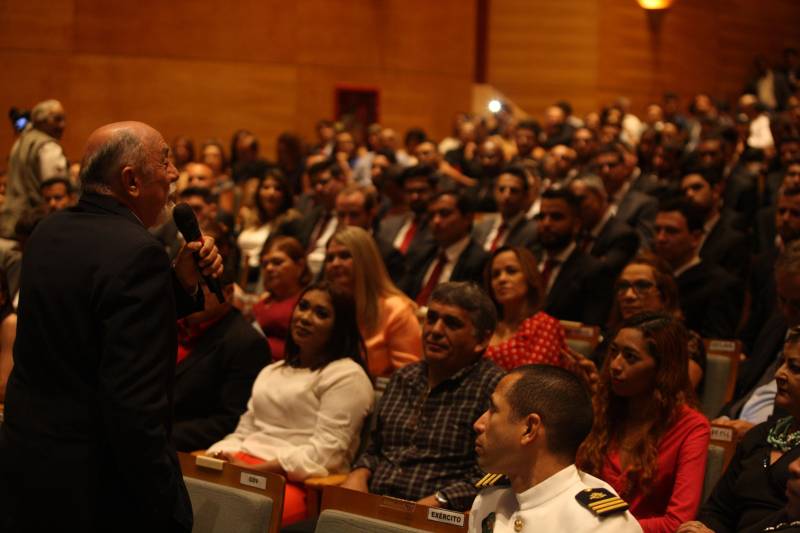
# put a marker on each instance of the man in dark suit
(510, 226)
(410, 230)
(633, 207)
(710, 298)
(721, 244)
(219, 357)
(86, 436)
(602, 235)
(786, 217)
(577, 285)
(356, 205)
(454, 255)
(315, 228)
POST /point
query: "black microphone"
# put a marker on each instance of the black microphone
(184, 218)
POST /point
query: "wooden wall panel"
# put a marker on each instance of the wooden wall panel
(597, 50)
(541, 51)
(203, 69)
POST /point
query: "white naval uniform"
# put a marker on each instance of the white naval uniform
(549, 506)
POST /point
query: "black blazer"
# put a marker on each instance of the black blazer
(89, 402)
(711, 300)
(638, 210)
(213, 384)
(728, 248)
(582, 291)
(389, 227)
(469, 267)
(523, 233)
(302, 228)
(615, 246)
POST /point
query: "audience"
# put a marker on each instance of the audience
(524, 333)
(548, 217)
(305, 412)
(648, 442)
(386, 317)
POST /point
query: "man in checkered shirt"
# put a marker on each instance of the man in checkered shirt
(422, 448)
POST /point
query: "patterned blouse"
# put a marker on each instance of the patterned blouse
(539, 340)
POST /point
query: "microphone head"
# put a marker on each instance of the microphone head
(186, 221)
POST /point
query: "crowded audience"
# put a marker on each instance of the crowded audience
(372, 260)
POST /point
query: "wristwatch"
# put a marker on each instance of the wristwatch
(442, 499)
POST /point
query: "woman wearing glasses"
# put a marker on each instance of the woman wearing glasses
(646, 285)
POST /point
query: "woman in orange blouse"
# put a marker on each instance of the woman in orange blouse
(386, 317)
(524, 334)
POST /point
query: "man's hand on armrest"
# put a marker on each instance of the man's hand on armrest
(358, 480)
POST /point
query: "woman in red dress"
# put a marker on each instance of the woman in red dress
(524, 334)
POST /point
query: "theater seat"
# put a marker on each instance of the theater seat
(722, 364)
(332, 521)
(346, 511)
(720, 451)
(228, 498)
(581, 338)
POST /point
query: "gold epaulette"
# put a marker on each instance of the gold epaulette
(492, 480)
(601, 502)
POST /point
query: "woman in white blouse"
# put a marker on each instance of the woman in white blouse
(305, 413)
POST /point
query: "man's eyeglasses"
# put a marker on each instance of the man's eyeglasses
(639, 287)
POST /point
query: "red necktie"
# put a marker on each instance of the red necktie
(547, 271)
(586, 242)
(433, 280)
(412, 230)
(501, 231)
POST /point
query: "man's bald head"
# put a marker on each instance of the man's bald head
(130, 161)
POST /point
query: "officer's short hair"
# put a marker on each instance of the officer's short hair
(559, 398)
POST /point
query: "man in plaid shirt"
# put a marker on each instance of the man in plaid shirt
(422, 448)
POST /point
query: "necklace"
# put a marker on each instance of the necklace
(781, 438)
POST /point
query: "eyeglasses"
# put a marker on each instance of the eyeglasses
(639, 286)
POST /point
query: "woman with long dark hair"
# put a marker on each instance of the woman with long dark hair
(305, 413)
(525, 334)
(648, 441)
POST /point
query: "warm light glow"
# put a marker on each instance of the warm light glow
(495, 106)
(655, 4)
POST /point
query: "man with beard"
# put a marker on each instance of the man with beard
(509, 226)
(721, 244)
(577, 285)
(410, 230)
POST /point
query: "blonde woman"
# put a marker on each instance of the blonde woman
(386, 316)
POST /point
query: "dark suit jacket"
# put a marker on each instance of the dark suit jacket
(523, 233)
(213, 384)
(302, 228)
(88, 405)
(616, 244)
(638, 210)
(711, 300)
(390, 226)
(581, 291)
(469, 267)
(763, 294)
(767, 345)
(394, 261)
(728, 248)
